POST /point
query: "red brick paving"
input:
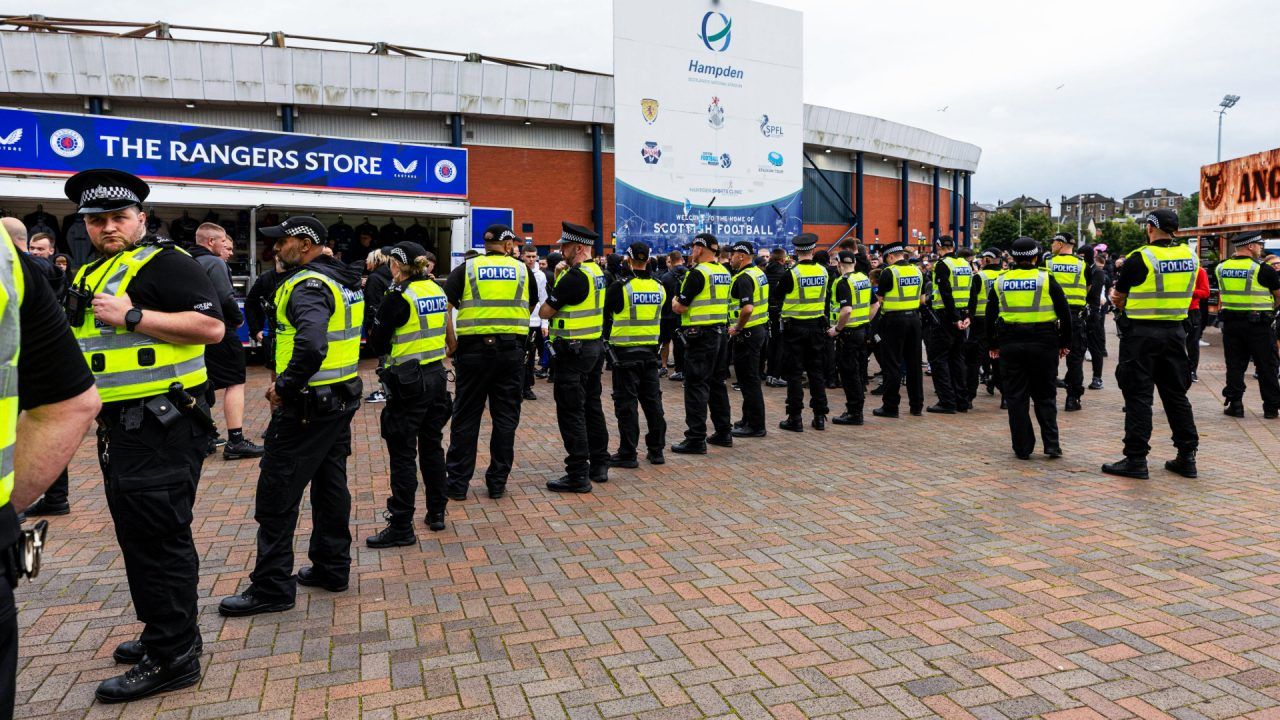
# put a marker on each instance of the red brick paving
(907, 568)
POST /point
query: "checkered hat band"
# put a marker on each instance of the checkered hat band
(401, 255)
(108, 192)
(506, 235)
(304, 231)
(1025, 253)
(574, 237)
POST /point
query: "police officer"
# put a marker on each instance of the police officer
(703, 306)
(575, 307)
(493, 294)
(1248, 291)
(855, 304)
(977, 358)
(633, 309)
(899, 289)
(804, 334)
(948, 326)
(319, 314)
(748, 333)
(1072, 275)
(142, 315)
(413, 331)
(1028, 328)
(43, 376)
(1151, 295)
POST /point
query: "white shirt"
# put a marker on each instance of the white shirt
(540, 279)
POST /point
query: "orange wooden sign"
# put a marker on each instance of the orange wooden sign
(1243, 190)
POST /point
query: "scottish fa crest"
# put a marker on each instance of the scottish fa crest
(649, 110)
(715, 114)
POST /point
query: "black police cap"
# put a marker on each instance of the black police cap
(298, 226)
(406, 252)
(1025, 248)
(570, 233)
(638, 250)
(706, 240)
(805, 241)
(1163, 219)
(498, 232)
(104, 190)
(743, 246)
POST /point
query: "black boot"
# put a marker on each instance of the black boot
(601, 474)
(1096, 384)
(619, 461)
(250, 603)
(819, 422)
(149, 677)
(393, 535)
(1129, 467)
(1184, 464)
(1004, 404)
(721, 439)
(1073, 404)
(567, 484)
(881, 412)
(129, 652)
(655, 457)
(747, 431)
(690, 447)
(941, 410)
(1234, 408)
(308, 577)
(44, 507)
(847, 419)
(241, 449)
(435, 520)
(793, 423)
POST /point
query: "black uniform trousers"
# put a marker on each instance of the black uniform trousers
(945, 344)
(579, 414)
(1194, 330)
(705, 370)
(851, 361)
(1028, 368)
(899, 346)
(304, 451)
(1153, 358)
(1074, 379)
(486, 368)
(150, 473)
(976, 358)
(58, 491)
(635, 382)
(413, 428)
(8, 649)
(804, 349)
(532, 352)
(1096, 330)
(1243, 341)
(776, 366)
(748, 346)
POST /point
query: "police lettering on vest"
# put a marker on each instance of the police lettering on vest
(1165, 293)
(711, 306)
(494, 298)
(422, 336)
(1239, 289)
(759, 298)
(585, 320)
(341, 362)
(640, 320)
(1024, 296)
(12, 288)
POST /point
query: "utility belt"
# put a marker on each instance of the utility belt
(321, 400)
(749, 332)
(494, 342)
(166, 408)
(899, 313)
(631, 356)
(693, 333)
(569, 348)
(408, 381)
(812, 325)
(1006, 328)
(1249, 317)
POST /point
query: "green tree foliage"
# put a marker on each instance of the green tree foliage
(1122, 236)
(1189, 212)
(1037, 226)
(999, 232)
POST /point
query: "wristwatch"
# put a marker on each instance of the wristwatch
(132, 318)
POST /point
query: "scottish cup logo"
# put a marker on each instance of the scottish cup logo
(716, 31)
(715, 114)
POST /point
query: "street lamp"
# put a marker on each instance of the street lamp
(1227, 103)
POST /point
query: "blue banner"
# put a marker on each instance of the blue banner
(63, 144)
(482, 218)
(668, 225)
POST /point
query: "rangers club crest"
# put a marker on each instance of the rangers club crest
(715, 114)
(650, 153)
(649, 110)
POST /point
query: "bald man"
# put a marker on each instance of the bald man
(17, 232)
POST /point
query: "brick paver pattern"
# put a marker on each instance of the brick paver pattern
(908, 568)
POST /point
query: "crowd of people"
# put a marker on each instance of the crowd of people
(145, 338)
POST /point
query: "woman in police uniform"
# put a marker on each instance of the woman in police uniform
(412, 329)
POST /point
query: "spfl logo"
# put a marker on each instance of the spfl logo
(775, 159)
(431, 305)
(497, 273)
(446, 171)
(715, 114)
(67, 143)
(716, 31)
(405, 171)
(650, 153)
(10, 142)
(769, 130)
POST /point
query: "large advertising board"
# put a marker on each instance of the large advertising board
(45, 143)
(708, 121)
(1241, 191)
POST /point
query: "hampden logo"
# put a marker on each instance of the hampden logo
(446, 171)
(715, 114)
(405, 171)
(768, 130)
(716, 31)
(649, 110)
(650, 153)
(67, 143)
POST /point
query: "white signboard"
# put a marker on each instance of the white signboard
(708, 120)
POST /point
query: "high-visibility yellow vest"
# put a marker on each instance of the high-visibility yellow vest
(905, 295)
(1024, 296)
(987, 277)
(711, 306)
(1239, 289)
(640, 321)
(1165, 294)
(759, 298)
(585, 320)
(860, 294)
(1068, 270)
(961, 281)
(421, 338)
(12, 289)
(495, 297)
(808, 296)
(130, 365)
(342, 361)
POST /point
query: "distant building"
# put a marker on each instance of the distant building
(1089, 206)
(979, 212)
(1144, 201)
(1029, 206)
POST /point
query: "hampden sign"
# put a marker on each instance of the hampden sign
(1241, 191)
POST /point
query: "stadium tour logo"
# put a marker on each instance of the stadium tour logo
(650, 153)
(446, 171)
(716, 31)
(67, 143)
(715, 114)
(775, 159)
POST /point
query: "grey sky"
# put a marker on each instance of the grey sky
(1139, 80)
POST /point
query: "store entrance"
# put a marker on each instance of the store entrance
(353, 236)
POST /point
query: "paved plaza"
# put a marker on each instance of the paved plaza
(906, 568)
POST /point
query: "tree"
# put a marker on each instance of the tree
(1189, 212)
(999, 232)
(1122, 236)
(1038, 227)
